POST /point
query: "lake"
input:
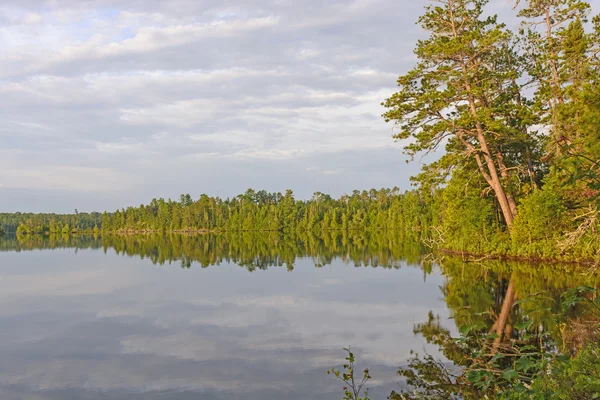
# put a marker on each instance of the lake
(252, 316)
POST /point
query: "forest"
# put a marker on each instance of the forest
(32, 223)
(385, 209)
(517, 113)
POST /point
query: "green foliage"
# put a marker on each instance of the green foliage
(251, 250)
(464, 93)
(576, 378)
(29, 223)
(524, 365)
(256, 251)
(540, 223)
(469, 219)
(354, 383)
(520, 175)
(384, 209)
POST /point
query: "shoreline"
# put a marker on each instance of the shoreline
(473, 257)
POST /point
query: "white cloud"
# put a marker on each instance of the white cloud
(182, 114)
(153, 38)
(118, 147)
(114, 86)
(82, 178)
(32, 19)
(269, 154)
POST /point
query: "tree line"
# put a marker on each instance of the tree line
(384, 209)
(39, 223)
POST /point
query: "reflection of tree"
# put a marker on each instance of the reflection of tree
(512, 320)
(50, 242)
(501, 327)
(250, 250)
(263, 250)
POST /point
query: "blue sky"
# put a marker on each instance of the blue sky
(110, 103)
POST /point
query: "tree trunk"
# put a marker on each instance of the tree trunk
(495, 181)
(504, 175)
(492, 176)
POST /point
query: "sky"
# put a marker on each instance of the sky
(106, 103)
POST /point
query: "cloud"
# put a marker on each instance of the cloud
(130, 98)
(82, 178)
(32, 19)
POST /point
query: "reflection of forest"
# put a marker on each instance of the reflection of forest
(513, 320)
(49, 242)
(248, 249)
(518, 311)
(499, 295)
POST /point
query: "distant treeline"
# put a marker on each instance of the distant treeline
(462, 216)
(30, 223)
(384, 209)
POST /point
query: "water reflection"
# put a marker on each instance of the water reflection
(84, 321)
(513, 319)
(250, 250)
(87, 322)
(500, 294)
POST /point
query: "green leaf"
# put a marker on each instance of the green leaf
(497, 357)
(520, 388)
(510, 374)
(464, 330)
(524, 325)
(524, 364)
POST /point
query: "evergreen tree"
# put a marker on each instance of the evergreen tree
(463, 92)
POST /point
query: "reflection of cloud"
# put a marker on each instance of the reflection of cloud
(108, 323)
(76, 283)
(332, 281)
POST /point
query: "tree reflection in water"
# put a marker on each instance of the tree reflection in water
(516, 340)
(512, 322)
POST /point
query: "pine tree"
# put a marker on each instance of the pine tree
(463, 92)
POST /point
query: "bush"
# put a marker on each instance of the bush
(541, 218)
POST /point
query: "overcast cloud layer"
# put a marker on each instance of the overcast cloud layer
(111, 103)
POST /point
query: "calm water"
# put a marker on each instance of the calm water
(216, 317)
(88, 323)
